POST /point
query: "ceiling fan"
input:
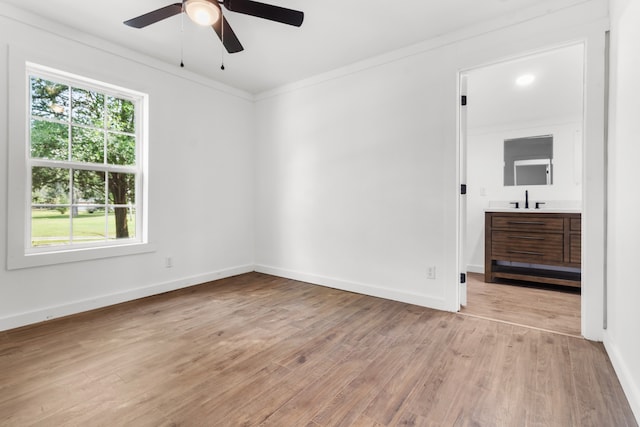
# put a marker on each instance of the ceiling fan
(209, 13)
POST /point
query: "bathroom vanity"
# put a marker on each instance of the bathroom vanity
(533, 245)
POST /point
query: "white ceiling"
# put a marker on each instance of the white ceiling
(556, 93)
(334, 33)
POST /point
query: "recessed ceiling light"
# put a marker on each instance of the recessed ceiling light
(525, 79)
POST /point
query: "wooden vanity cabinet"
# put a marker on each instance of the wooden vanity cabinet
(532, 246)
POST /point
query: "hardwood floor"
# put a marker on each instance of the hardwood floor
(260, 350)
(549, 309)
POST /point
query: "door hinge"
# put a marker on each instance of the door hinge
(463, 278)
(463, 100)
(463, 188)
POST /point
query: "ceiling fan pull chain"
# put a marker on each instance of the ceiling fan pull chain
(222, 39)
(182, 40)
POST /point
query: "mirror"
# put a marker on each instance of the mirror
(528, 160)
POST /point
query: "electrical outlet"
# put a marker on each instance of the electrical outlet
(431, 272)
(168, 262)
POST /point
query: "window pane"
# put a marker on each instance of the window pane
(122, 188)
(87, 107)
(120, 115)
(49, 140)
(88, 225)
(87, 145)
(122, 223)
(49, 226)
(49, 99)
(121, 149)
(50, 186)
(88, 187)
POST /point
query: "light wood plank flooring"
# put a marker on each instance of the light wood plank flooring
(550, 309)
(257, 350)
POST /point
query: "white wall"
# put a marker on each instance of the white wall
(485, 183)
(356, 171)
(200, 193)
(350, 184)
(621, 337)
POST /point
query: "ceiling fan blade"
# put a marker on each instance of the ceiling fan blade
(266, 11)
(155, 16)
(228, 37)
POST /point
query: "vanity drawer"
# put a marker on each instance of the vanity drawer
(575, 248)
(528, 223)
(537, 248)
(576, 224)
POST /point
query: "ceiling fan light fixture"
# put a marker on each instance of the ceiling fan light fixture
(202, 12)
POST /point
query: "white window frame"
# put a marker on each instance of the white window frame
(20, 253)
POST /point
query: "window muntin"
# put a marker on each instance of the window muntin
(84, 164)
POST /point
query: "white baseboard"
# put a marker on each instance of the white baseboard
(52, 312)
(475, 269)
(360, 288)
(629, 385)
(48, 313)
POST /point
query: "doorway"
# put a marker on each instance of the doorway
(524, 99)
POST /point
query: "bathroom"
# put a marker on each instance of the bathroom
(523, 128)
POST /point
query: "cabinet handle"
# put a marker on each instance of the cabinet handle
(526, 237)
(526, 222)
(526, 253)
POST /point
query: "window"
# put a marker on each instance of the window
(84, 167)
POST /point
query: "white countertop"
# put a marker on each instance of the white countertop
(532, 210)
(548, 206)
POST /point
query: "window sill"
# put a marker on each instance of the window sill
(75, 255)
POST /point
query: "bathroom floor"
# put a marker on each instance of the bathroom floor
(554, 309)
